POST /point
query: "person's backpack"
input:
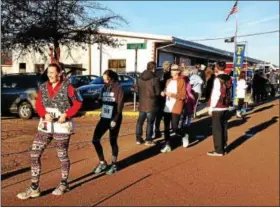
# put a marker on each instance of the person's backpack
(225, 97)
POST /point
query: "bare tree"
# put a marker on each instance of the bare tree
(31, 25)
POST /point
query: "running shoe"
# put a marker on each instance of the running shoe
(185, 141)
(113, 169)
(29, 193)
(166, 149)
(150, 143)
(214, 153)
(61, 189)
(100, 168)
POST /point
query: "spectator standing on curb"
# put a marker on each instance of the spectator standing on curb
(188, 111)
(112, 100)
(196, 83)
(166, 76)
(218, 109)
(273, 81)
(56, 104)
(201, 72)
(209, 77)
(241, 92)
(148, 88)
(175, 93)
(256, 85)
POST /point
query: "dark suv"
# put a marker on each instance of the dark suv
(19, 93)
(81, 80)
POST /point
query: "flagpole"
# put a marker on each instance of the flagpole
(234, 57)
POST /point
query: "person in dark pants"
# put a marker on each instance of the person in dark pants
(273, 81)
(209, 77)
(218, 108)
(112, 99)
(256, 85)
(148, 88)
(175, 95)
(166, 76)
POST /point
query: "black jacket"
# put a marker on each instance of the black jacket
(148, 87)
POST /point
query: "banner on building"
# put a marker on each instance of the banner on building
(239, 58)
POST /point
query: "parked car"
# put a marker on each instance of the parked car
(134, 75)
(19, 93)
(81, 80)
(91, 92)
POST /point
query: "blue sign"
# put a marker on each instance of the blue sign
(237, 67)
(239, 58)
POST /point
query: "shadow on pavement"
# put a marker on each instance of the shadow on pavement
(13, 173)
(27, 179)
(250, 133)
(48, 191)
(261, 109)
(139, 156)
(202, 129)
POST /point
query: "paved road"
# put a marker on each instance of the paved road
(247, 176)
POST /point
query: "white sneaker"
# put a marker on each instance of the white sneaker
(238, 114)
(29, 193)
(166, 149)
(185, 141)
(61, 189)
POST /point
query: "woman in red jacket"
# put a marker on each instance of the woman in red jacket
(56, 104)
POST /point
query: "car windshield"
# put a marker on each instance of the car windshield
(98, 80)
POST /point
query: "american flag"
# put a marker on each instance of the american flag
(233, 10)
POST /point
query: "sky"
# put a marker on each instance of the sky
(196, 20)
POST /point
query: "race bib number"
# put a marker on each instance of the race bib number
(55, 113)
(107, 111)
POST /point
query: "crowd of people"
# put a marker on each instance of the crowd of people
(172, 97)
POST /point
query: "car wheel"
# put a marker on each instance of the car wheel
(25, 110)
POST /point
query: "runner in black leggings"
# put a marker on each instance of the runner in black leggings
(112, 98)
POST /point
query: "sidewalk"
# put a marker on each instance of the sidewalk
(247, 176)
(129, 111)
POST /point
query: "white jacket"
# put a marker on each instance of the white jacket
(196, 82)
(241, 88)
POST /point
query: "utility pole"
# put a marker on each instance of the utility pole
(136, 56)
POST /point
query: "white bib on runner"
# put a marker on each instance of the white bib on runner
(107, 111)
(55, 127)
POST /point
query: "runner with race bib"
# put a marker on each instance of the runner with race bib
(112, 99)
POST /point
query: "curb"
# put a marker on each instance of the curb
(97, 113)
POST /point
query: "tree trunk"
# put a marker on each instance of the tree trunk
(56, 51)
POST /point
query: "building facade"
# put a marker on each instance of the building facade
(97, 58)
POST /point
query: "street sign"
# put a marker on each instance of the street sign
(137, 45)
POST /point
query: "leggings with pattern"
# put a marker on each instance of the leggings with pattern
(39, 145)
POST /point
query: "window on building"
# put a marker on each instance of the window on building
(39, 68)
(118, 65)
(22, 67)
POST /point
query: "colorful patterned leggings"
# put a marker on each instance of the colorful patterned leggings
(39, 145)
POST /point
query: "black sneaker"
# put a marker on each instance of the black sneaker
(100, 168)
(214, 153)
(140, 141)
(113, 169)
